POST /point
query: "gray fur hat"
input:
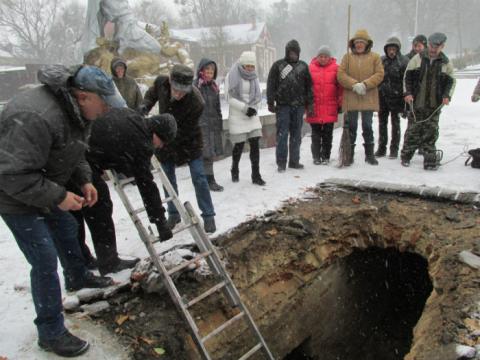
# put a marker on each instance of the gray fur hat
(437, 39)
(324, 50)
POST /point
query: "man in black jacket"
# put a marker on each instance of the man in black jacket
(176, 96)
(289, 93)
(391, 97)
(43, 137)
(124, 141)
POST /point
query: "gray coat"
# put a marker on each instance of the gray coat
(210, 121)
(43, 140)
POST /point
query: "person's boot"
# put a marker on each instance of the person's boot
(212, 184)
(89, 280)
(209, 224)
(173, 219)
(369, 157)
(255, 161)
(393, 153)
(431, 160)
(164, 231)
(66, 345)
(236, 156)
(405, 162)
(325, 158)
(381, 151)
(119, 265)
(91, 263)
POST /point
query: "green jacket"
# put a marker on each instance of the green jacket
(429, 82)
(127, 86)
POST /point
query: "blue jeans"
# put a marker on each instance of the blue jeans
(42, 238)
(200, 183)
(367, 130)
(289, 121)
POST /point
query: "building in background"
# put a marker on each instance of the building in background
(224, 44)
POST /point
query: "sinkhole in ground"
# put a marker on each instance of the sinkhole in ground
(342, 275)
(379, 299)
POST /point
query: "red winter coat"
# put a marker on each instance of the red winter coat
(327, 92)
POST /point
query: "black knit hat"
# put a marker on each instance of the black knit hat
(164, 126)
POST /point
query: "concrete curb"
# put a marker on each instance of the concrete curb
(436, 192)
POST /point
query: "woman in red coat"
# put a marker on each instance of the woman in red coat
(327, 94)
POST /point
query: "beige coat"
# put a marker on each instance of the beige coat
(366, 68)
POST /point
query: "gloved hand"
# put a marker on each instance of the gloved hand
(475, 97)
(271, 108)
(404, 114)
(251, 112)
(339, 110)
(360, 89)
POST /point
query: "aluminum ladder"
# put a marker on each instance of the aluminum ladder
(191, 222)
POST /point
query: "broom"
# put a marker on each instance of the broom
(345, 150)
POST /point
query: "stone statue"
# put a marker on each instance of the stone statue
(147, 56)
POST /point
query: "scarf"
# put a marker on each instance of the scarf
(203, 82)
(235, 84)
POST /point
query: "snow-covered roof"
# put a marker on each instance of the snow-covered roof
(5, 68)
(239, 34)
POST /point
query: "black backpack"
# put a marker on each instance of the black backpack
(474, 158)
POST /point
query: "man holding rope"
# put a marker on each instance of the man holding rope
(428, 86)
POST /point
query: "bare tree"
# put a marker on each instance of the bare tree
(153, 12)
(41, 31)
(214, 12)
(28, 23)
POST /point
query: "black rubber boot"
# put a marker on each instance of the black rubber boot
(369, 157)
(236, 155)
(212, 184)
(255, 161)
(66, 345)
(120, 264)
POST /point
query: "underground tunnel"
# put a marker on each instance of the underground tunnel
(380, 299)
(342, 274)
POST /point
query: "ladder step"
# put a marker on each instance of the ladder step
(138, 211)
(182, 228)
(167, 200)
(188, 263)
(206, 294)
(251, 351)
(223, 326)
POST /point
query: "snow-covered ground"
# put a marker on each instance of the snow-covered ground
(459, 130)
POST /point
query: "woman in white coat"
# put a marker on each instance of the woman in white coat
(244, 97)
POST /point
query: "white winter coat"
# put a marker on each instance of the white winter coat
(238, 122)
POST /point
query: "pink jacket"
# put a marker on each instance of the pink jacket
(327, 92)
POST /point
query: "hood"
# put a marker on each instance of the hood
(361, 34)
(294, 46)
(115, 62)
(393, 41)
(59, 79)
(203, 63)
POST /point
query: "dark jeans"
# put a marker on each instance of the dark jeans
(383, 114)
(289, 121)
(200, 184)
(322, 135)
(367, 130)
(42, 238)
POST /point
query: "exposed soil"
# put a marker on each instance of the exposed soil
(342, 275)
